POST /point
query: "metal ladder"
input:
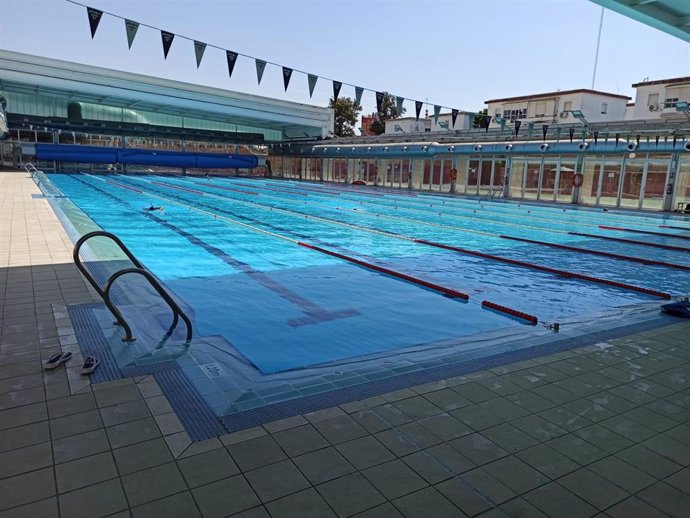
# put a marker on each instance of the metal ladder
(139, 269)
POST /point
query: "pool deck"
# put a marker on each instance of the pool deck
(603, 430)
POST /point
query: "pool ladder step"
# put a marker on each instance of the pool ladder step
(139, 269)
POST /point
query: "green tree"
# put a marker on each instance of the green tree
(480, 118)
(389, 111)
(346, 116)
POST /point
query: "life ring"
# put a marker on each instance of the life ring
(359, 182)
(453, 174)
(578, 179)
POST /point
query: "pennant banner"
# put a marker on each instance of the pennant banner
(337, 85)
(287, 74)
(487, 121)
(131, 28)
(311, 78)
(167, 38)
(399, 105)
(379, 102)
(358, 95)
(199, 49)
(232, 59)
(596, 137)
(260, 67)
(618, 137)
(571, 132)
(656, 140)
(517, 127)
(453, 117)
(418, 108)
(94, 19)
(437, 112)
(544, 131)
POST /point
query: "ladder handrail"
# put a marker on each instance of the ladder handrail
(139, 268)
(177, 311)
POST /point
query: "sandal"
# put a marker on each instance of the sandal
(90, 364)
(56, 359)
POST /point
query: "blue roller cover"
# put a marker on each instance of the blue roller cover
(107, 155)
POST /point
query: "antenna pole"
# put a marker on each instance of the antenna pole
(596, 55)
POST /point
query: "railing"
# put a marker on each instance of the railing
(139, 268)
(494, 192)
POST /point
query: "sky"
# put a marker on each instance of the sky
(455, 53)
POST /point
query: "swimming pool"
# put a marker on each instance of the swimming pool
(297, 288)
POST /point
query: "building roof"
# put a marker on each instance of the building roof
(669, 16)
(556, 94)
(673, 80)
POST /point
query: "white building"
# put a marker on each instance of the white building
(426, 124)
(657, 99)
(555, 107)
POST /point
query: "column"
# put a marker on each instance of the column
(506, 176)
(577, 191)
(417, 173)
(671, 184)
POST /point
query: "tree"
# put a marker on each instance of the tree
(480, 118)
(389, 111)
(346, 116)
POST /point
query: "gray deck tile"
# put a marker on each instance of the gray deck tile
(303, 439)
(305, 504)
(478, 448)
(225, 497)
(445, 426)
(447, 399)
(622, 474)
(391, 415)
(521, 508)
(25, 459)
(467, 498)
(276, 480)
(592, 488)
(340, 429)
(515, 474)
(207, 467)
(323, 465)
(181, 505)
(648, 461)
(23, 415)
(75, 424)
(394, 479)
(94, 501)
(565, 419)
(476, 417)
(633, 507)
(71, 405)
(124, 412)
(153, 483)
(432, 468)
(255, 453)
(47, 508)
(509, 438)
(370, 421)
(603, 438)
(554, 500)
(27, 487)
(142, 455)
(417, 407)
(577, 449)
(530, 401)
(667, 499)
(382, 511)
(407, 438)
(365, 452)
(117, 395)
(80, 445)
(133, 432)
(488, 486)
(475, 392)
(631, 430)
(85, 471)
(24, 396)
(350, 494)
(21, 436)
(680, 480)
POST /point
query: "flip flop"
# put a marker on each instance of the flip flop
(56, 359)
(90, 364)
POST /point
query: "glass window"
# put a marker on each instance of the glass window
(567, 106)
(604, 107)
(670, 102)
(653, 99)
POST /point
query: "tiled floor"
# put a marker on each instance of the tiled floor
(602, 430)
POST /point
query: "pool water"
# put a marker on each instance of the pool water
(231, 250)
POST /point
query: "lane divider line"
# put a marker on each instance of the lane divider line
(664, 234)
(555, 271)
(676, 228)
(640, 260)
(632, 241)
(250, 193)
(509, 311)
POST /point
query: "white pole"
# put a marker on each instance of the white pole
(596, 55)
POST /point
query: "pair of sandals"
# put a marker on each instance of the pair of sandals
(90, 363)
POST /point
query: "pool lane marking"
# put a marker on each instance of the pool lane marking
(554, 271)
(677, 228)
(632, 241)
(414, 280)
(663, 234)
(634, 259)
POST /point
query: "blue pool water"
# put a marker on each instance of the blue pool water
(229, 249)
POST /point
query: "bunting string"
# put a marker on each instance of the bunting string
(132, 27)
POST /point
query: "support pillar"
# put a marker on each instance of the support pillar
(417, 172)
(506, 176)
(577, 191)
(669, 194)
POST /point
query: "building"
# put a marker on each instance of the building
(658, 99)
(367, 121)
(427, 125)
(556, 107)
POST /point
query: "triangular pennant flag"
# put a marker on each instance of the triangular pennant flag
(637, 139)
(453, 117)
(94, 19)
(618, 137)
(399, 105)
(131, 27)
(487, 122)
(656, 140)
(287, 74)
(358, 95)
(232, 59)
(437, 112)
(199, 49)
(260, 67)
(311, 78)
(571, 132)
(418, 108)
(379, 102)
(167, 38)
(337, 85)
(596, 137)
(517, 127)
(544, 131)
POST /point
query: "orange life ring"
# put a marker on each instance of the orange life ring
(453, 174)
(578, 179)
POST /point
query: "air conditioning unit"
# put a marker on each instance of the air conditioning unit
(563, 115)
(653, 107)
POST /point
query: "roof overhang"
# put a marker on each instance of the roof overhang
(84, 83)
(669, 16)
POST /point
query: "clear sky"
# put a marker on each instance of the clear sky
(456, 53)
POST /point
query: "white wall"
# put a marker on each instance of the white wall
(592, 106)
(407, 125)
(656, 95)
